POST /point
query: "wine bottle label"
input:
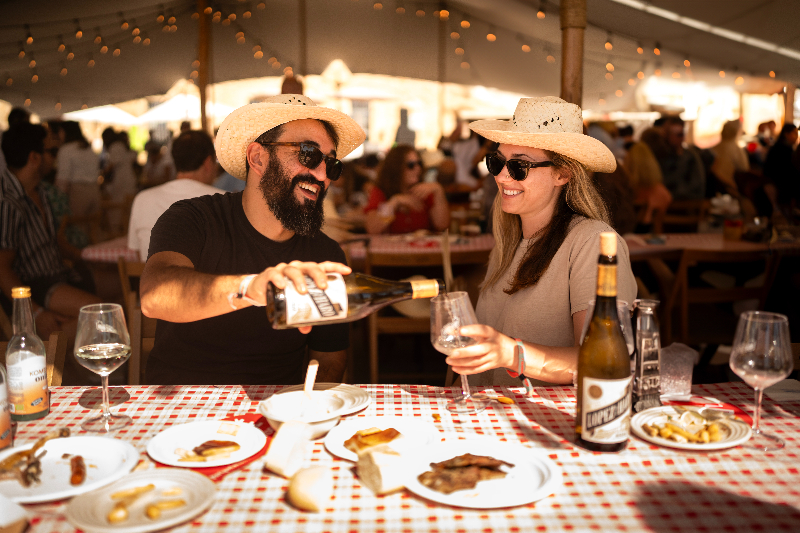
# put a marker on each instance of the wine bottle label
(606, 410)
(27, 386)
(426, 288)
(606, 280)
(5, 419)
(316, 305)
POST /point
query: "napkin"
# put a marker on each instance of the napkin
(13, 518)
(787, 390)
(216, 473)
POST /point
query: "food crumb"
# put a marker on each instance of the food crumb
(505, 400)
(437, 417)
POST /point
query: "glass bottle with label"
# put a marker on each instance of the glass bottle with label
(602, 421)
(346, 299)
(26, 363)
(647, 371)
(6, 439)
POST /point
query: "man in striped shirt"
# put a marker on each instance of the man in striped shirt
(30, 253)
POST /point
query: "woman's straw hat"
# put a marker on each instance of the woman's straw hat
(549, 123)
(246, 124)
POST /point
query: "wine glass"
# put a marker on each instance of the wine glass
(762, 356)
(624, 314)
(102, 345)
(449, 312)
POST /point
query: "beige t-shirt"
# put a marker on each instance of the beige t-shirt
(542, 314)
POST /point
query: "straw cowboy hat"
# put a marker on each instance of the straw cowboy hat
(549, 123)
(246, 124)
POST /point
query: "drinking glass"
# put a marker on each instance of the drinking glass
(102, 345)
(762, 356)
(449, 312)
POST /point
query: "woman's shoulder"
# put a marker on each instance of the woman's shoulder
(582, 228)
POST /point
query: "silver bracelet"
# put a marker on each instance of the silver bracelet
(242, 294)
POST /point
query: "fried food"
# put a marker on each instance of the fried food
(368, 438)
(78, 469)
(216, 447)
(124, 499)
(462, 472)
(25, 466)
(128, 493)
(153, 511)
(703, 434)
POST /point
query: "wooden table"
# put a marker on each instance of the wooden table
(645, 488)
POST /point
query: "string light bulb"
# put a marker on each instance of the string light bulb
(526, 48)
(400, 10)
(63, 70)
(195, 16)
(97, 37)
(610, 66)
(258, 54)
(639, 48)
(619, 93)
(27, 102)
(721, 73)
(70, 54)
(455, 35)
(739, 81)
(9, 81)
(32, 61)
(465, 24)
(137, 39)
(85, 106)
(657, 49)
(444, 14)
(104, 49)
(609, 76)
(208, 10)
(145, 40)
(276, 65)
(609, 45)
(465, 65)
(676, 75)
(231, 17)
(459, 51)
(602, 100)
(377, 6)
(117, 51)
(771, 73)
(171, 20)
(261, 5)
(21, 50)
(687, 63)
(632, 82)
(61, 45)
(160, 17)
(541, 14)
(550, 58)
(196, 64)
(124, 23)
(247, 14)
(35, 77)
(491, 37)
(58, 106)
(640, 74)
(91, 62)
(420, 12)
(78, 30)
(29, 38)
(657, 72)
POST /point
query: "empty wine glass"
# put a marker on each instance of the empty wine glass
(762, 356)
(449, 312)
(102, 345)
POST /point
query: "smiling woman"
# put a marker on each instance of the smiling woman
(542, 271)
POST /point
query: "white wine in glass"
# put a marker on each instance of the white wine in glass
(102, 345)
(449, 312)
(762, 356)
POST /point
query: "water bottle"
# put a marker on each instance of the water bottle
(647, 370)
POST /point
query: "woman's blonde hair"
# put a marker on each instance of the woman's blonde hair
(578, 197)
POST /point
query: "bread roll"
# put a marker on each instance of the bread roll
(381, 469)
(311, 489)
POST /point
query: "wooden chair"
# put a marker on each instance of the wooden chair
(143, 335)
(379, 324)
(55, 355)
(128, 270)
(685, 293)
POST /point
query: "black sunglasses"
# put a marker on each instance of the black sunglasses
(517, 168)
(411, 165)
(310, 157)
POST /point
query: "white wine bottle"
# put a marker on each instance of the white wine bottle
(346, 299)
(26, 363)
(602, 421)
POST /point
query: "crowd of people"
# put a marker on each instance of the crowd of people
(217, 219)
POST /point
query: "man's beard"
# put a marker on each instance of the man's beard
(304, 217)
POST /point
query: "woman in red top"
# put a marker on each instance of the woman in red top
(412, 205)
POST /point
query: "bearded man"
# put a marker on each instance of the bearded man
(211, 258)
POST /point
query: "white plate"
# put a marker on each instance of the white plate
(187, 436)
(355, 398)
(735, 432)
(89, 511)
(532, 478)
(106, 461)
(415, 433)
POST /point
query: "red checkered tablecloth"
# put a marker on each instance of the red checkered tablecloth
(110, 251)
(407, 244)
(645, 488)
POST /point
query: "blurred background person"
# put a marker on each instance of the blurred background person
(400, 202)
(781, 172)
(77, 171)
(681, 167)
(159, 167)
(646, 180)
(17, 115)
(119, 169)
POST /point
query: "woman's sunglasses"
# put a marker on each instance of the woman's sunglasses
(517, 168)
(310, 157)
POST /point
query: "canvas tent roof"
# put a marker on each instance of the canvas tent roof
(380, 41)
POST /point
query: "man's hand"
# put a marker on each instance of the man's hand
(294, 272)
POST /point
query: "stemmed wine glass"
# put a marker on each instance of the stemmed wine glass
(102, 345)
(449, 312)
(762, 356)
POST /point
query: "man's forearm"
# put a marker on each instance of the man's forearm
(331, 365)
(181, 294)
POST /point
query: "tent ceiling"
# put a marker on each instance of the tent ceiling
(381, 41)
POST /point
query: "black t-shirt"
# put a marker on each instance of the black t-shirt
(238, 347)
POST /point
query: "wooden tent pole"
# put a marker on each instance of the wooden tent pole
(303, 35)
(203, 48)
(789, 106)
(442, 68)
(573, 25)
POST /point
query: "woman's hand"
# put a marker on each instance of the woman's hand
(425, 189)
(492, 350)
(410, 201)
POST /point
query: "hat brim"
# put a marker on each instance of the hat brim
(246, 124)
(588, 151)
